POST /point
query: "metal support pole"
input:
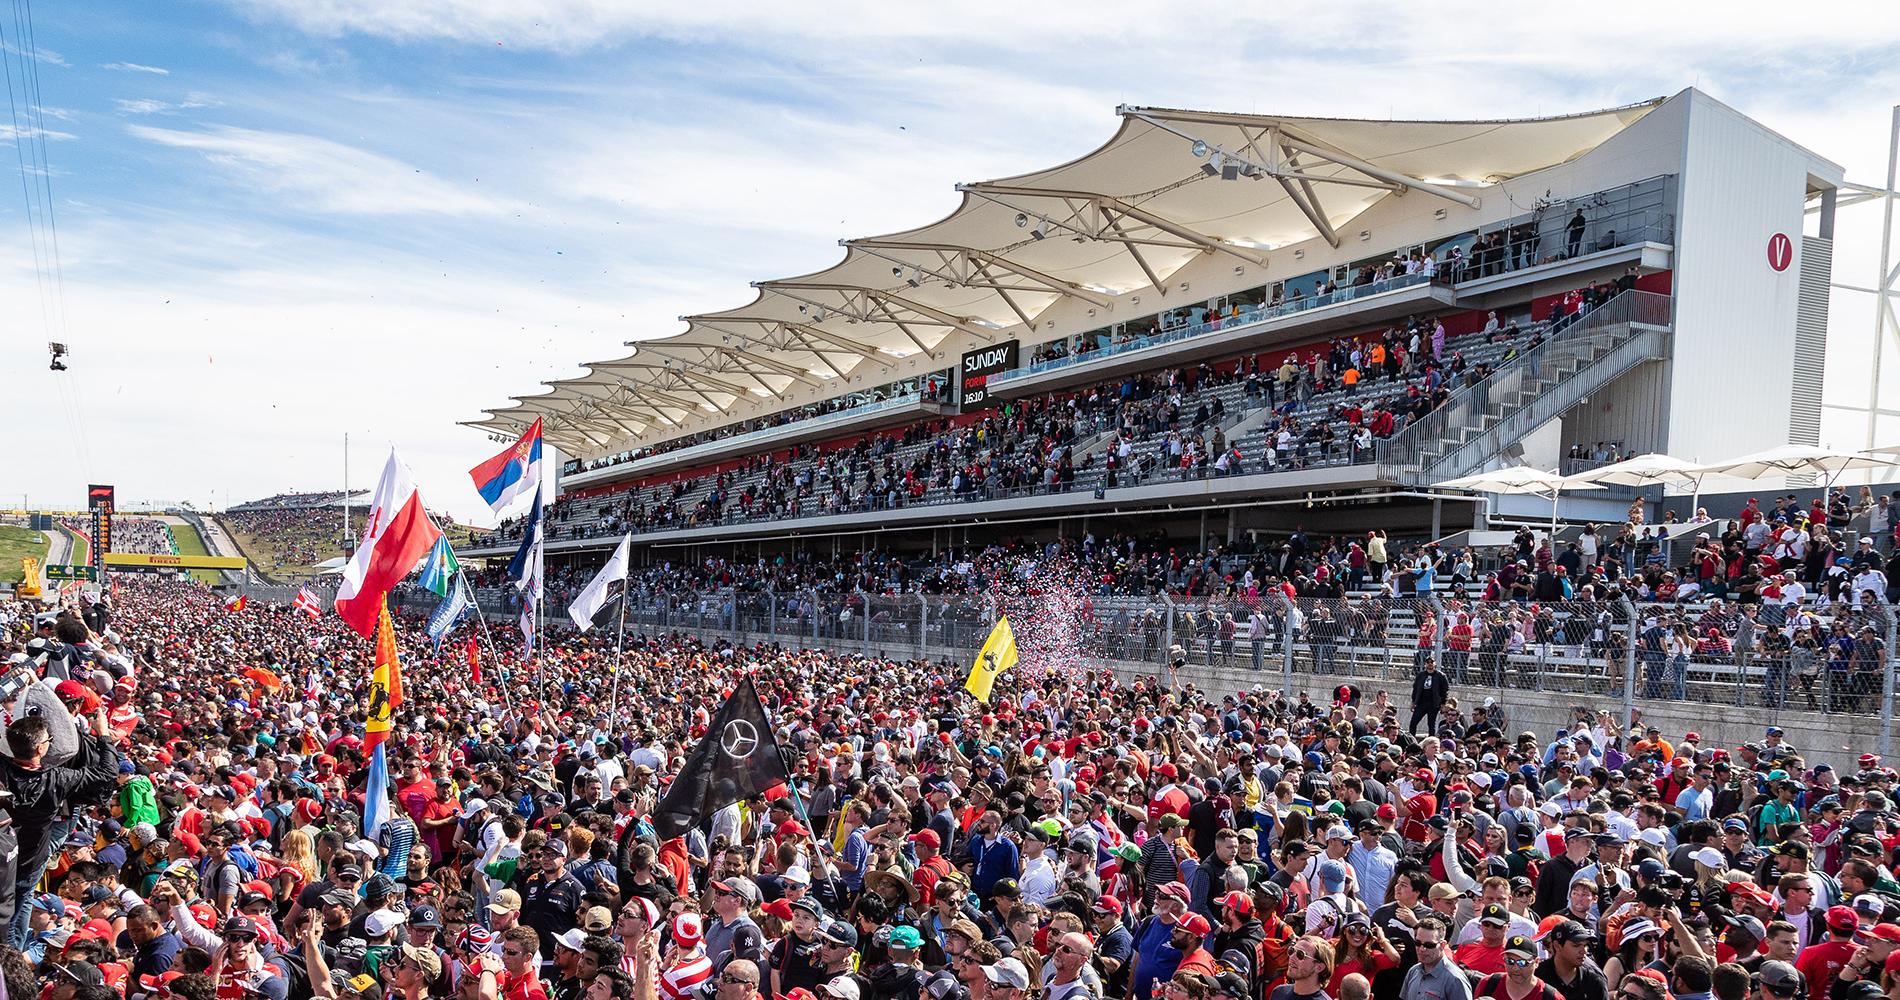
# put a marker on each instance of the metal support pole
(1440, 623)
(1884, 280)
(1629, 668)
(771, 610)
(923, 625)
(1287, 630)
(867, 623)
(1886, 669)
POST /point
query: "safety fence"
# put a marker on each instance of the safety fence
(1827, 659)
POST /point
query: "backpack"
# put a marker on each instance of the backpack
(1342, 906)
(246, 862)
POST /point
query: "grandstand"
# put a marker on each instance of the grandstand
(1221, 329)
(289, 534)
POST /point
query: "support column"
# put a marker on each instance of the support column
(1438, 514)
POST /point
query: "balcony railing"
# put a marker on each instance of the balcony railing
(1260, 314)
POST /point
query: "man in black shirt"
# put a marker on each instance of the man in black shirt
(1569, 969)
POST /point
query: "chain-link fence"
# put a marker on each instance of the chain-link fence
(1829, 658)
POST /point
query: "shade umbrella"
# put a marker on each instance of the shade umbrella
(1653, 469)
(1521, 480)
(1795, 460)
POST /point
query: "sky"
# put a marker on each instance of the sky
(280, 222)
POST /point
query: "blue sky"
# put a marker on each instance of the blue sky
(285, 220)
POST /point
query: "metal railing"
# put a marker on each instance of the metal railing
(1618, 217)
(1574, 345)
(1260, 314)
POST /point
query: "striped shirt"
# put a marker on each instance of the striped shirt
(685, 976)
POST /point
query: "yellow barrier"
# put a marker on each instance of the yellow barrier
(179, 562)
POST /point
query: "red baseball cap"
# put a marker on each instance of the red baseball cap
(1842, 918)
(1388, 812)
(1195, 924)
(928, 838)
(1107, 904)
(1239, 902)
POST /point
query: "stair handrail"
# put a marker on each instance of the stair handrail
(1627, 308)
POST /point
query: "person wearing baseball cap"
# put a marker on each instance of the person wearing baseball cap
(690, 966)
(1822, 963)
(1186, 937)
(1153, 966)
(1114, 943)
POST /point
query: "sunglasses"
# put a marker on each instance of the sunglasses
(738, 980)
(1517, 962)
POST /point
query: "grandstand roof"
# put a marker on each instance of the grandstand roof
(1115, 220)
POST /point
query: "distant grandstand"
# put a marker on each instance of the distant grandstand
(290, 535)
(1225, 331)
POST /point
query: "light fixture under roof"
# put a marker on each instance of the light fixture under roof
(1199, 148)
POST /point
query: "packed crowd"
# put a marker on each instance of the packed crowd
(292, 534)
(189, 797)
(1328, 403)
(148, 535)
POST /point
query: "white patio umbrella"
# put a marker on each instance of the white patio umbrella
(1652, 469)
(1795, 460)
(1521, 480)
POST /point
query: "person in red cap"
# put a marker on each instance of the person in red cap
(1821, 964)
(932, 866)
(1187, 936)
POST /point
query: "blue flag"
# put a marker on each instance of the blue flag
(455, 608)
(439, 567)
(376, 795)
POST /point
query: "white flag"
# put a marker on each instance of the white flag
(600, 592)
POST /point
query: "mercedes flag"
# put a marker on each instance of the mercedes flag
(737, 758)
(599, 604)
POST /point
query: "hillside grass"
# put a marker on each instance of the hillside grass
(17, 543)
(190, 544)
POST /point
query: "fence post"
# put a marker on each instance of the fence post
(923, 627)
(771, 611)
(1629, 668)
(1287, 630)
(1439, 627)
(1167, 630)
(867, 621)
(813, 615)
(1886, 683)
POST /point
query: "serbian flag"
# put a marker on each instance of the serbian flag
(513, 473)
(385, 685)
(307, 602)
(395, 538)
(236, 603)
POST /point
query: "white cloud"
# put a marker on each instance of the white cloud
(322, 175)
(148, 106)
(130, 67)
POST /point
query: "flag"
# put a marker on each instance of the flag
(395, 537)
(454, 609)
(524, 571)
(376, 795)
(385, 684)
(997, 655)
(474, 663)
(513, 473)
(233, 604)
(600, 603)
(439, 566)
(308, 602)
(737, 759)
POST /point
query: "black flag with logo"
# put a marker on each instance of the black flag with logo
(736, 759)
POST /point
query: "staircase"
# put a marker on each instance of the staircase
(1480, 421)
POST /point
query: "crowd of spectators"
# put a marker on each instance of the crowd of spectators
(195, 817)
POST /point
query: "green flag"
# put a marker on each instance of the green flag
(440, 567)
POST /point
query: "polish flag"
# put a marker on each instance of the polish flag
(398, 535)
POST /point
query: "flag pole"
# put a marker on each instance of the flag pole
(798, 800)
(620, 639)
(482, 617)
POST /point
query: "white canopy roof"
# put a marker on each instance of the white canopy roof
(1121, 218)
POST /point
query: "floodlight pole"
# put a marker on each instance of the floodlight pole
(1884, 285)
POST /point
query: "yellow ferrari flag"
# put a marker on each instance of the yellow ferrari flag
(385, 686)
(998, 654)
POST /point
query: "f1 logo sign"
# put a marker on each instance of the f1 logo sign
(1780, 251)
